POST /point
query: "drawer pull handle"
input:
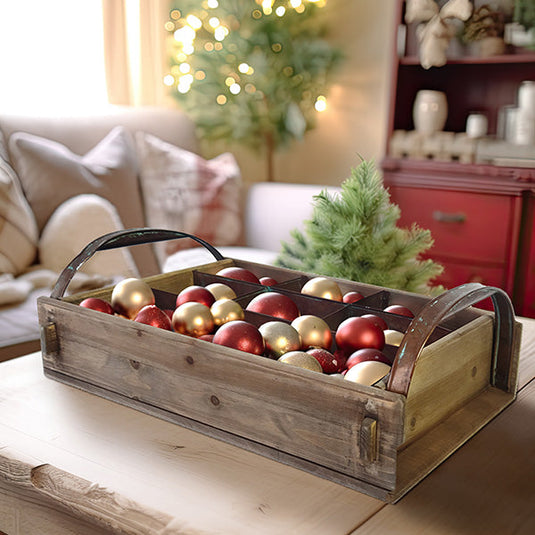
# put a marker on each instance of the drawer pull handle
(445, 217)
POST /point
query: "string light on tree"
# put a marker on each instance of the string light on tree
(266, 64)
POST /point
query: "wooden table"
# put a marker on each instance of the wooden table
(74, 463)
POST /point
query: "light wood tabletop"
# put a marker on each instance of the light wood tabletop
(74, 463)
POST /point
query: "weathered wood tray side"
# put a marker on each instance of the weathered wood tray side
(375, 441)
(284, 407)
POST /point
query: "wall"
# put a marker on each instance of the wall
(355, 122)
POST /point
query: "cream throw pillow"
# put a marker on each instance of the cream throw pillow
(50, 174)
(76, 223)
(18, 228)
(185, 192)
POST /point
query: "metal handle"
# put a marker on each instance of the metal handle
(440, 308)
(445, 217)
(121, 238)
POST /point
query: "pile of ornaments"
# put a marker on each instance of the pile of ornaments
(353, 352)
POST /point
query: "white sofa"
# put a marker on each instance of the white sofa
(268, 211)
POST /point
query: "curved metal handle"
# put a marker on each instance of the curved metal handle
(440, 308)
(121, 238)
(445, 217)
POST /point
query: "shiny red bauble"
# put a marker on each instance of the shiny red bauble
(400, 310)
(352, 297)
(241, 335)
(328, 362)
(196, 294)
(380, 322)
(267, 281)
(94, 303)
(152, 315)
(367, 353)
(238, 273)
(357, 332)
(274, 304)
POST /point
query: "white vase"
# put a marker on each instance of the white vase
(430, 111)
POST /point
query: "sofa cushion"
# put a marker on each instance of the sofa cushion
(50, 174)
(185, 192)
(74, 224)
(18, 229)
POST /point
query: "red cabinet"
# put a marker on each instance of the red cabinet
(476, 222)
(480, 213)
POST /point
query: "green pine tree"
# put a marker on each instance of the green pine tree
(354, 236)
(250, 71)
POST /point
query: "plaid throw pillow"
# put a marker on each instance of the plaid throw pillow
(18, 229)
(185, 192)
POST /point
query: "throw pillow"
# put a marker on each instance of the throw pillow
(73, 225)
(185, 192)
(18, 229)
(50, 174)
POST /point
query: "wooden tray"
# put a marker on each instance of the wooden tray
(456, 369)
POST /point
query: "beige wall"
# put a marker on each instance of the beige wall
(356, 119)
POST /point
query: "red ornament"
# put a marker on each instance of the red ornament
(352, 297)
(207, 337)
(274, 304)
(197, 294)
(240, 335)
(152, 315)
(94, 303)
(329, 363)
(238, 273)
(364, 354)
(341, 357)
(377, 320)
(400, 310)
(357, 332)
(267, 281)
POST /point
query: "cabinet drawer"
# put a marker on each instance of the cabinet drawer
(465, 226)
(455, 274)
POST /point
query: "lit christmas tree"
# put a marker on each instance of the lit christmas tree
(354, 236)
(250, 71)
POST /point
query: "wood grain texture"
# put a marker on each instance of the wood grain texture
(207, 486)
(486, 487)
(204, 484)
(447, 374)
(292, 410)
(74, 499)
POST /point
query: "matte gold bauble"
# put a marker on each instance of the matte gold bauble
(279, 338)
(393, 338)
(193, 319)
(221, 291)
(225, 310)
(129, 296)
(368, 372)
(323, 287)
(314, 331)
(301, 360)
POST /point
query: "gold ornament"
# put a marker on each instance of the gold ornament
(393, 338)
(193, 319)
(323, 287)
(129, 296)
(301, 360)
(221, 291)
(368, 372)
(225, 310)
(279, 338)
(314, 331)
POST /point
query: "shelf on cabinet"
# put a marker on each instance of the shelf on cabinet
(520, 57)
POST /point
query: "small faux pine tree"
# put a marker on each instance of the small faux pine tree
(354, 236)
